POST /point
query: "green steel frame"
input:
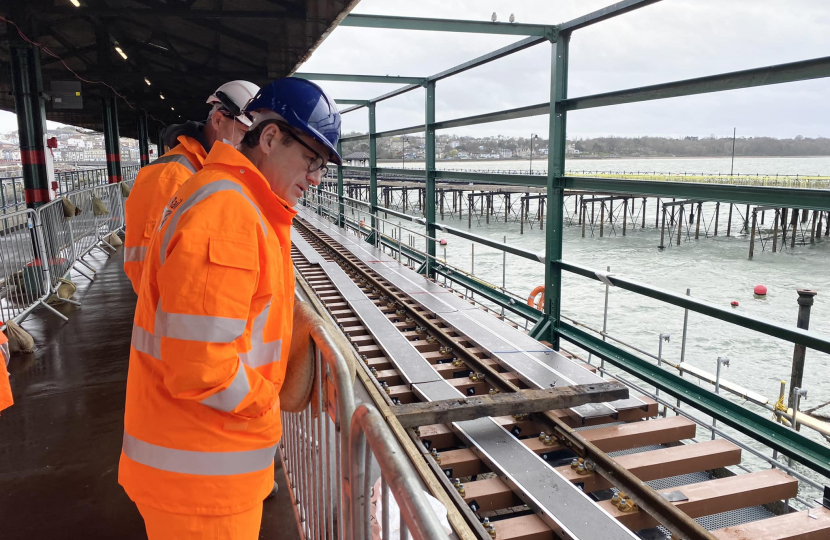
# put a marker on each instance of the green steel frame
(549, 325)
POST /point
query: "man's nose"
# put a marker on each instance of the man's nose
(315, 177)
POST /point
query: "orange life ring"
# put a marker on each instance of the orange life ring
(532, 298)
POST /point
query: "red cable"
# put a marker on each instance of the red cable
(52, 54)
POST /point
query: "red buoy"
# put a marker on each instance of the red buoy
(735, 303)
(443, 242)
(760, 290)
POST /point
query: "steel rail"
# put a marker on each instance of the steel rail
(662, 510)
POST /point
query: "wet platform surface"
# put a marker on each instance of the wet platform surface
(60, 442)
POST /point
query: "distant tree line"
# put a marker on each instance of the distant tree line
(448, 144)
(702, 146)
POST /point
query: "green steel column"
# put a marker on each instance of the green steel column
(373, 168)
(341, 208)
(143, 144)
(31, 121)
(429, 188)
(112, 141)
(555, 193)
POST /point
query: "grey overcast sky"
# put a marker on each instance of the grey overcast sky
(670, 40)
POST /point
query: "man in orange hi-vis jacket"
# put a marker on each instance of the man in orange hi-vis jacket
(158, 181)
(212, 328)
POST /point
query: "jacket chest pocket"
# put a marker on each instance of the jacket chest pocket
(233, 273)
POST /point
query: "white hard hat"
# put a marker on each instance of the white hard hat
(233, 96)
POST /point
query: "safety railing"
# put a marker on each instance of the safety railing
(40, 247)
(12, 194)
(743, 420)
(371, 437)
(70, 181)
(327, 451)
(315, 446)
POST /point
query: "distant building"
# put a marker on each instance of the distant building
(360, 157)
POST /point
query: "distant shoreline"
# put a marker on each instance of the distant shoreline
(543, 158)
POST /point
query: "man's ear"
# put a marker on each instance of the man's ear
(215, 120)
(269, 138)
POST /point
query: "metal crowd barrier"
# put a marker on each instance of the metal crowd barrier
(320, 455)
(370, 436)
(314, 451)
(107, 224)
(39, 247)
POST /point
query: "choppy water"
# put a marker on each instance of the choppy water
(804, 166)
(716, 269)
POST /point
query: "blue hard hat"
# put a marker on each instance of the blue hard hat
(305, 107)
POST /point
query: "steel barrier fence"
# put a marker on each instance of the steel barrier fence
(314, 451)
(371, 437)
(319, 459)
(39, 247)
(107, 224)
(58, 242)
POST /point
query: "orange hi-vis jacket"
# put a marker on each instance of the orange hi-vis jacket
(153, 187)
(210, 343)
(6, 399)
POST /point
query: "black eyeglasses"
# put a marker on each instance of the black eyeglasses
(316, 164)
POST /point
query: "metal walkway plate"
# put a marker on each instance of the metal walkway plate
(305, 248)
(537, 365)
(560, 503)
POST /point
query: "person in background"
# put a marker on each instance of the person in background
(214, 320)
(158, 181)
(6, 399)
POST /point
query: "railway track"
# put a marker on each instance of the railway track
(543, 475)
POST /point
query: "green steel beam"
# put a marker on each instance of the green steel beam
(513, 250)
(556, 185)
(352, 101)
(793, 335)
(490, 178)
(402, 131)
(471, 64)
(354, 108)
(388, 79)
(401, 215)
(429, 177)
(615, 9)
(772, 434)
(373, 163)
(814, 199)
(498, 116)
(340, 202)
(393, 170)
(447, 25)
(763, 76)
(354, 168)
(488, 291)
(355, 137)
(489, 57)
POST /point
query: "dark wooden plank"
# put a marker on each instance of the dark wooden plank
(524, 401)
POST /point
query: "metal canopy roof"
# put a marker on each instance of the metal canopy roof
(185, 48)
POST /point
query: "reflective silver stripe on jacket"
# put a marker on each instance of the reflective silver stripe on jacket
(145, 342)
(175, 158)
(198, 327)
(261, 353)
(135, 254)
(228, 399)
(201, 463)
(198, 196)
